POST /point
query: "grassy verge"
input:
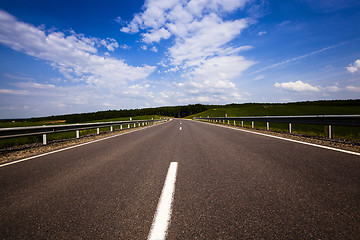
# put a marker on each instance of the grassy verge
(292, 109)
(339, 132)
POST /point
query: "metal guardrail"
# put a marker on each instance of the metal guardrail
(330, 120)
(48, 129)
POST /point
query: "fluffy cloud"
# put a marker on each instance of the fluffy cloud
(204, 39)
(158, 12)
(355, 67)
(300, 86)
(297, 86)
(200, 50)
(74, 55)
(199, 30)
(156, 35)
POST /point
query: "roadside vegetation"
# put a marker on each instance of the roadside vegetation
(337, 107)
(341, 107)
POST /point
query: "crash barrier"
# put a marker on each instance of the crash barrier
(49, 129)
(330, 120)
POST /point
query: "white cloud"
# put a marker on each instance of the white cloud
(74, 55)
(197, 26)
(90, 79)
(354, 67)
(35, 85)
(110, 44)
(297, 86)
(205, 38)
(259, 77)
(221, 68)
(154, 49)
(200, 50)
(212, 81)
(118, 19)
(300, 57)
(125, 46)
(262, 33)
(156, 35)
(332, 89)
(14, 92)
(17, 77)
(158, 12)
(353, 89)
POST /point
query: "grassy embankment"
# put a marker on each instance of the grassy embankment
(292, 109)
(9, 142)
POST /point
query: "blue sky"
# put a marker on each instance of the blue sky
(60, 57)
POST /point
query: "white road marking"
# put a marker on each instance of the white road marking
(290, 140)
(180, 128)
(75, 146)
(162, 215)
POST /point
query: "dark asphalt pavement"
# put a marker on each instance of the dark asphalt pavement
(229, 185)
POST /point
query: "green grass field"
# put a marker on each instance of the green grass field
(243, 110)
(277, 110)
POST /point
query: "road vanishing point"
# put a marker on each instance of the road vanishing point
(183, 180)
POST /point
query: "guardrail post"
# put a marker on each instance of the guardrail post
(242, 123)
(267, 126)
(252, 124)
(290, 130)
(44, 139)
(111, 129)
(128, 125)
(229, 122)
(98, 131)
(134, 125)
(77, 133)
(330, 132)
(120, 127)
(234, 123)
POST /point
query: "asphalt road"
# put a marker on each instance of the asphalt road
(229, 185)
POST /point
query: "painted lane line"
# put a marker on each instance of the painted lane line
(290, 140)
(162, 215)
(180, 128)
(75, 146)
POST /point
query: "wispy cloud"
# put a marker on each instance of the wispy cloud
(300, 57)
(262, 33)
(17, 77)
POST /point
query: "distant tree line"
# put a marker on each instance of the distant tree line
(176, 111)
(173, 111)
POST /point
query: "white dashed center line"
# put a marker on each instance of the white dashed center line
(180, 128)
(162, 215)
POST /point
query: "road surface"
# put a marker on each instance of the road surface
(228, 184)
